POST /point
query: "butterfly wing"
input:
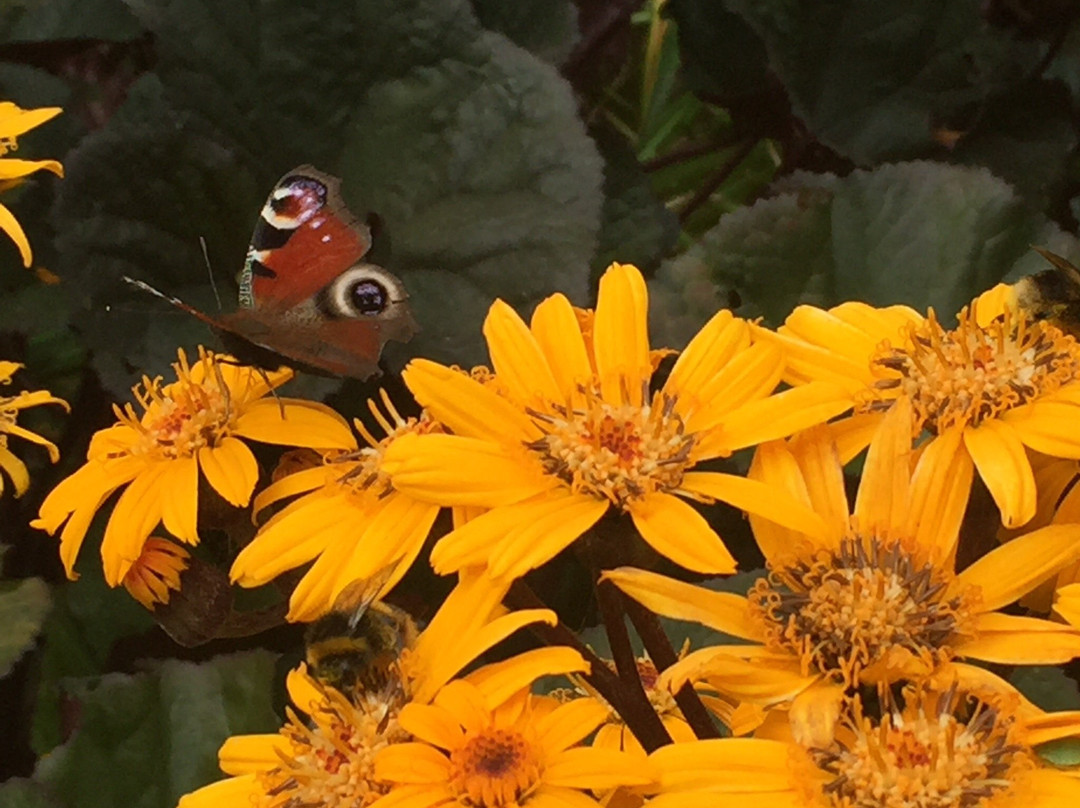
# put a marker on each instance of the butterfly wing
(305, 238)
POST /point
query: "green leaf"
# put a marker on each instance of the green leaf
(75, 19)
(875, 80)
(19, 792)
(920, 233)
(547, 28)
(636, 228)
(1064, 753)
(144, 740)
(1048, 687)
(469, 147)
(721, 54)
(23, 606)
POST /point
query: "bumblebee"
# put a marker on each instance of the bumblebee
(1053, 294)
(355, 647)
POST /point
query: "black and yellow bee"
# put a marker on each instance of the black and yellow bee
(1053, 294)
(356, 646)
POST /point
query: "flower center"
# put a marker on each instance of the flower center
(619, 453)
(185, 416)
(362, 469)
(331, 762)
(495, 767)
(867, 610)
(923, 759)
(964, 376)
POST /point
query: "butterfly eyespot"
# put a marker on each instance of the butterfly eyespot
(368, 297)
(365, 290)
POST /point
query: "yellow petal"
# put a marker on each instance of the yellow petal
(556, 330)
(1018, 566)
(180, 499)
(466, 406)
(806, 362)
(1048, 427)
(814, 714)
(721, 611)
(621, 335)
(456, 470)
(1004, 467)
(775, 466)
(711, 349)
(1013, 640)
(16, 470)
(290, 486)
(758, 498)
(10, 225)
(569, 723)
(33, 437)
(1067, 603)
(11, 168)
(518, 537)
(750, 376)
(586, 767)
(136, 514)
(15, 121)
(500, 681)
(940, 487)
(818, 459)
(1047, 788)
(854, 433)
(231, 470)
(726, 764)
(517, 359)
(243, 790)
(764, 678)
(777, 416)
(834, 329)
(412, 763)
(882, 501)
(680, 533)
(305, 423)
(297, 535)
(244, 754)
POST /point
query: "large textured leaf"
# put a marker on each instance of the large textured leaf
(23, 606)
(144, 740)
(469, 147)
(921, 233)
(877, 80)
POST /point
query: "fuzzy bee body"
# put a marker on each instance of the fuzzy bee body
(355, 647)
(1052, 295)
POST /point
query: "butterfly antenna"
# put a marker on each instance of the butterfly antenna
(273, 392)
(210, 271)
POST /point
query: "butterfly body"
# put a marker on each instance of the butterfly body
(306, 294)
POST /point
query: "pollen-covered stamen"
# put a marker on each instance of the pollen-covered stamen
(331, 761)
(936, 755)
(618, 452)
(495, 767)
(361, 469)
(869, 604)
(182, 417)
(969, 374)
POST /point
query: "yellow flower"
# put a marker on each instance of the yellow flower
(999, 379)
(156, 574)
(9, 411)
(14, 122)
(877, 600)
(569, 429)
(352, 522)
(194, 423)
(475, 751)
(328, 759)
(941, 749)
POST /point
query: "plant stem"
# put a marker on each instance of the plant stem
(701, 196)
(663, 656)
(637, 713)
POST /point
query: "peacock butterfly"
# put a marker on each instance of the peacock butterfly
(307, 297)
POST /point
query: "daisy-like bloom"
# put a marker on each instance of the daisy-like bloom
(1000, 379)
(156, 574)
(351, 520)
(14, 122)
(328, 758)
(877, 600)
(477, 751)
(197, 422)
(942, 749)
(568, 429)
(10, 406)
